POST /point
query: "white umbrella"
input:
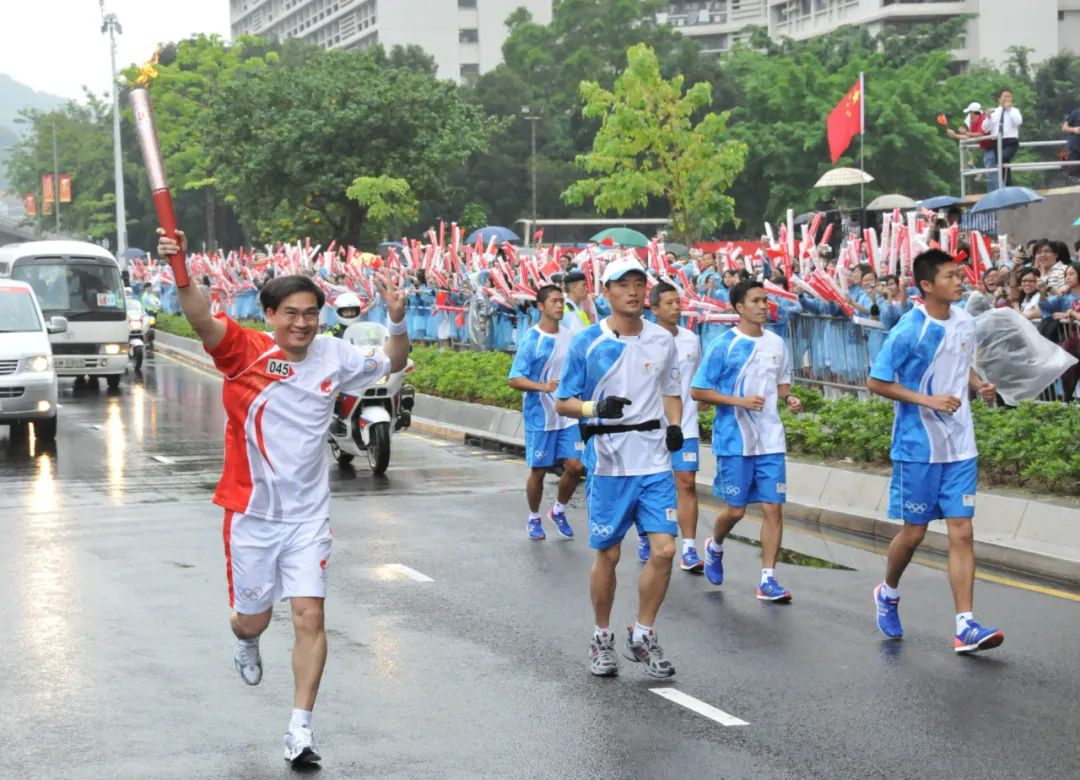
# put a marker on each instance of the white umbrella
(890, 202)
(844, 177)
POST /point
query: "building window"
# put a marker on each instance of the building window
(466, 3)
(469, 36)
(470, 72)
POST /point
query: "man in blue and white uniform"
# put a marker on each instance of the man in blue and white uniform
(665, 303)
(744, 373)
(925, 367)
(622, 377)
(549, 437)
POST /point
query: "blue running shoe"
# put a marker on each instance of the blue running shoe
(643, 548)
(691, 562)
(771, 590)
(561, 524)
(714, 564)
(976, 637)
(888, 615)
(536, 531)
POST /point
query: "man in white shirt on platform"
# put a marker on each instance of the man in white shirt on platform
(1005, 121)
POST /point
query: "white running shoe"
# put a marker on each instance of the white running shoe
(300, 746)
(248, 661)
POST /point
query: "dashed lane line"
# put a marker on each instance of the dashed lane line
(406, 571)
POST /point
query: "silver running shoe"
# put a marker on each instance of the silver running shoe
(248, 662)
(300, 746)
(648, 652)
(604, 659)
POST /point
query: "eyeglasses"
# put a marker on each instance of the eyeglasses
(292, 315)
(1029, 280)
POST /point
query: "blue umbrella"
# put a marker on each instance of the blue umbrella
(132, 252)
(940, 202)
(500, 234)
(1006, 198)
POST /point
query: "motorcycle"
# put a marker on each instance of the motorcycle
(138, 325)
(366, 422)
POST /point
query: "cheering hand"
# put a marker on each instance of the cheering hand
(943, 403)
(392, 296)
(611, 407)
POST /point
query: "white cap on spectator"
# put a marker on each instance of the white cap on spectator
(617, 269)
(974, 108)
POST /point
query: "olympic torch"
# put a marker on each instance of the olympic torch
(155, 168)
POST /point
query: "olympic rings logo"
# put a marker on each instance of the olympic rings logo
(602, 530)
(732, 490)
(911, 506)
(538, 453)
(250, 593)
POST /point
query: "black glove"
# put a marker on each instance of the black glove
(674, 438)
(611, 407)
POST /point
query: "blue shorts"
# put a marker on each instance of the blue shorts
(751, 479)
(543, 448)
(618, 503)
(686, 459)
(921, 492)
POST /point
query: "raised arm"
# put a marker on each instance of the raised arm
(397, 346)
(193, 303)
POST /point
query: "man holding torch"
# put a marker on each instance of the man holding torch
(279, 393)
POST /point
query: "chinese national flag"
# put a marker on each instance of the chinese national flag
(845, 121)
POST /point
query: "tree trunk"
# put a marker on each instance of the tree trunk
(211, 218)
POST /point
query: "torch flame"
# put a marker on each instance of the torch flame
(147, 70)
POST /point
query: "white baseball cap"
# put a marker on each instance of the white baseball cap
(617, 269)
(974, 107)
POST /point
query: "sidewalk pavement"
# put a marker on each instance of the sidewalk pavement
(1032, 537)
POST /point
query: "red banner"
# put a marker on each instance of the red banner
(47, 188)
(65, 188)
(46, 207)
(30, 204)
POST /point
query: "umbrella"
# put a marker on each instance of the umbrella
(132, 252)
(500, 234)
(844, 177)
(890, 202)
(680, 250)
(803, 219)
(622, 236)
(940, 202)
(1006, 198)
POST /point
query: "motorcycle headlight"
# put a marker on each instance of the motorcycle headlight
(135, 323)
(383, 380)
(37, 363)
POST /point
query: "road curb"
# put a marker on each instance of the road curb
(1028, 537)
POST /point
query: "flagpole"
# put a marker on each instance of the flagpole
(862, 147)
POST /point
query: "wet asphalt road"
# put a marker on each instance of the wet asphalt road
(117, 655)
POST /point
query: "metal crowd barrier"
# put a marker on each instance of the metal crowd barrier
(1064, 388)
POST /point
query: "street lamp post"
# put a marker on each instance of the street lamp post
(111, 25)
(532, 119)
(56, 168)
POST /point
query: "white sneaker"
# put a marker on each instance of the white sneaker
(248, 662)
(300, 746)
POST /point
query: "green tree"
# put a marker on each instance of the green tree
(649, 146)
(289, 139)
(387, 203)
(85, 151)
(542, 69)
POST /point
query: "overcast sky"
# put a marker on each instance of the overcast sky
(57, 46)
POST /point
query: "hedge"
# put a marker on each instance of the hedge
(1036, 445)
(178, 326)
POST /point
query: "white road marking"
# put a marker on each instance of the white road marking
(698, 706)
(412, 574)
(163, 459)
(98, 427)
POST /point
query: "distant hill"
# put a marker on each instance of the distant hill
(15, 97)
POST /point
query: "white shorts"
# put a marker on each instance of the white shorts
(267, 561)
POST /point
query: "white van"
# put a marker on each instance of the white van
(27, 379)
(80, 282)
